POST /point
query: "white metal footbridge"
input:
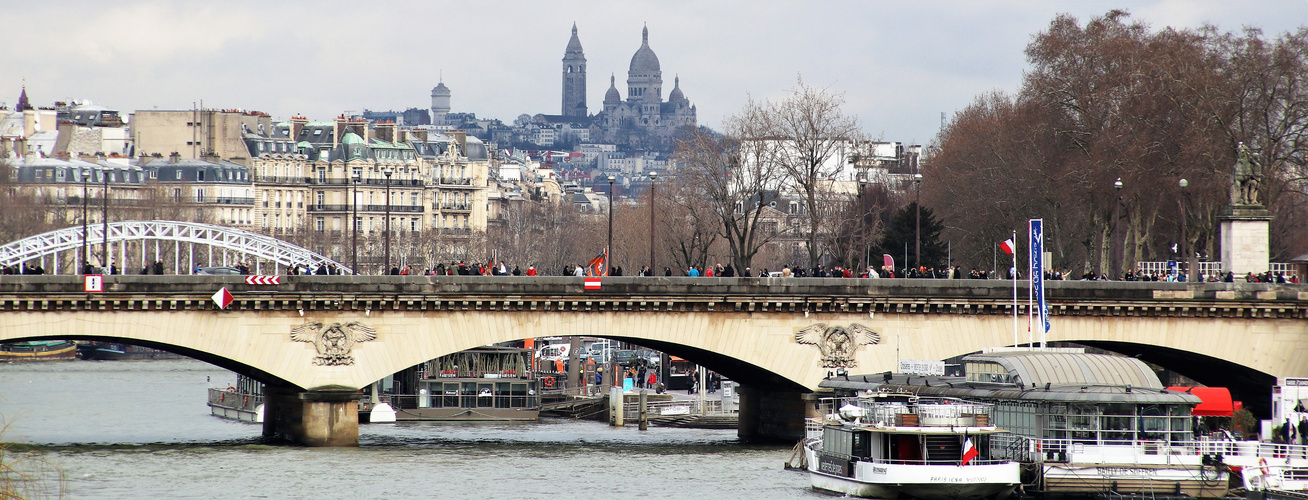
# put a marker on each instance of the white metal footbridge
(249, 246)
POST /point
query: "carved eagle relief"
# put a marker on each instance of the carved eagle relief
(334, 343)
(836, 343)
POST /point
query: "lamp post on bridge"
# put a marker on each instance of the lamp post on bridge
(354, 224)
(86, 259)
(917, 232)
(652, 176)
(1185, 255)
(386, 260)
(862, 224)
(608, 250)
(1117, 208)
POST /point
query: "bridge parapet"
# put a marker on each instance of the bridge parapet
(670, 294)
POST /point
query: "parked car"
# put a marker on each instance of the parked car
(625, 357)
(218, 270)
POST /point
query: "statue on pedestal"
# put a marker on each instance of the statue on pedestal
(1247, 176)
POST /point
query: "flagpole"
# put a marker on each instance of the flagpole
(1030, 289)
(1014, 273)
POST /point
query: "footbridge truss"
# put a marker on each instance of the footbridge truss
(255, 245)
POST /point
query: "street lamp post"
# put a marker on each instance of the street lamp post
(1117, 231)
(608, 250)
(354, 225)
(862, 224)
(386, 259)
(917, 183)
(104, 213)
(86, 259)
(652, 175)
(1185, 255)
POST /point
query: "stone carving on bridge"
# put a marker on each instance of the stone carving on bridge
(334, 342)
(837, 343)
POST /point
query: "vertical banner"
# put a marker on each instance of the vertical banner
(1038, 275)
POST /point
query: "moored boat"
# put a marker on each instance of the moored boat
(479, 384)
(1094, 425)
(38, 350)
(110, 351)
(886, 445)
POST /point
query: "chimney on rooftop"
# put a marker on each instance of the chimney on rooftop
(175, 157)
(421, 135)
(385, 131)
(297, 126)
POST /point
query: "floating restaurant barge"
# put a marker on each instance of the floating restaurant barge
(479, 384)
(1087, 424)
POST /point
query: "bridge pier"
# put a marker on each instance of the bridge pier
(766, 415)
(312, 418)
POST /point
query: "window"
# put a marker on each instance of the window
(322, 198)
(322, 176)
(177, 194)
(413, 199)
(179, 174)
(413, 225)
(320, 224)
(199, 196)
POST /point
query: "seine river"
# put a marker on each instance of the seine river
(141, 429)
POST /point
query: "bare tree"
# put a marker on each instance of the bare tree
(730, 180)
(814, 134)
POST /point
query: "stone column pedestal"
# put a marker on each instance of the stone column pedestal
(1244, 243)
(313, 418)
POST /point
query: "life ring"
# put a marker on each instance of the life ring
(231, 389)
(1262, 466)
(548, 381)
(246, 401)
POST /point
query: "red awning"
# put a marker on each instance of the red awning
(1215, 401)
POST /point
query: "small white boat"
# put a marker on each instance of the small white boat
(888, 445)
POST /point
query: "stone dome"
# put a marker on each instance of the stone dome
(644, 61)
(676, 95)
(612, 96)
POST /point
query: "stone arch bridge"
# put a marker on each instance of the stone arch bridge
(315, 340)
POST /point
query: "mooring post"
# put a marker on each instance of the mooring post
(644, 409)
(616, 406)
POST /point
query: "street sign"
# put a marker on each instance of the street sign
(93, 283)
(223, 298)
(263, 280)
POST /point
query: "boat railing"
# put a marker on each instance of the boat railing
(233, 399)
(1240, 453)
(904, 414)
(975, 461)
(631, 409)
(410, 401)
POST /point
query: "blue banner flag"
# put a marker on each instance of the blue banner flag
(1038, 271)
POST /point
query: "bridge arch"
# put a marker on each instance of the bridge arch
(259, 246)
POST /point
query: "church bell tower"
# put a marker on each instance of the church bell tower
(574, 78)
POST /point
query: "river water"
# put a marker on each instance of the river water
(141, 429)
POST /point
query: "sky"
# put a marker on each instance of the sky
(899, 64)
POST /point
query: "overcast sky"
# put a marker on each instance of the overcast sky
(899, 64)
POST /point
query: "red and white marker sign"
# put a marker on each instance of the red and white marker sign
(592, 283)
(223, 298)
(93, 283)
(263, 280)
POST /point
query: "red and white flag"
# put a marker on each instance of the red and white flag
(969, 451)
(593, 283)
(223, 298)
(1007, 246)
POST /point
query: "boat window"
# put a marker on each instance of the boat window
(485, 395)
(502, 394)
(468, 395)
(836, 441)
(862, 444)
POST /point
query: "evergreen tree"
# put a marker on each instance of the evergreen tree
(902, 230)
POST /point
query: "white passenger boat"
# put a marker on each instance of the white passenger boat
(1097, 425)
(888, 445)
